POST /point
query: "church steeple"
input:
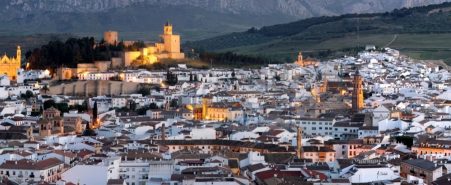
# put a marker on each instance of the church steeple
(19, 54)
(357, 94)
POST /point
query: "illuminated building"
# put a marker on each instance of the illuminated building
(168, 48)
(305, 62)
(10, 65)
(357, 94)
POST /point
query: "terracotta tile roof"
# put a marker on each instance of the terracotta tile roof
(65, 153)
(31, 165)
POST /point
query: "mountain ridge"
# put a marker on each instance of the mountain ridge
(85, 17)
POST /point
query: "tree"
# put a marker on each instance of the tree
(29, 94)
(153, 106)
(45, 89)
(132, 105)
(63, 107)
(171, 79)
(142, 110)
(406, 140)
(89, 131)
(195, 78)
(174, 103)
(49, 103)
(144, 90)
(94, 112)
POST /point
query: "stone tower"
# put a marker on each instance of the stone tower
(45, 127)
(357, 94)
(299, 143)
(167, 28)
(171, 43)
(111, 37)
(51, 123)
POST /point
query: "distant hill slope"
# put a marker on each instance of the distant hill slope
(413, 30)
(194, 19)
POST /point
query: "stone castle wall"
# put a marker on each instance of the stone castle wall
(93, 88)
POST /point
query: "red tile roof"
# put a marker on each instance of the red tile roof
(31, 165)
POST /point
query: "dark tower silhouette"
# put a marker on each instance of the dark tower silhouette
(94, 114)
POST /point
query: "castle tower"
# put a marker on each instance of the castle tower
(299, 142)
(111, 37)
(171, 43)
(357, 94)
(167, 28)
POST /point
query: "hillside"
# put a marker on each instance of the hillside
(194, 19)
(420, 31)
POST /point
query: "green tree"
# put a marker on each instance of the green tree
(49, 103)
(28, 94)
(171, 79)
(45, 89)
(144, 90)
(174, 103)
(63, 107)
(94, 112)
(153, 106)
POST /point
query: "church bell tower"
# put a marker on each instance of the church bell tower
(357, 94)
(19, 54)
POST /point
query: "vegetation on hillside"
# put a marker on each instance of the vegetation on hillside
(315, 35)
(69, 53)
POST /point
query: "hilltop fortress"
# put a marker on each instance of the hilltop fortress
(150, 53)
(168, 48)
